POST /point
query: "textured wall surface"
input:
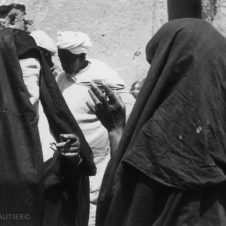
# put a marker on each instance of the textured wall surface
(219, 20)
(119, 29)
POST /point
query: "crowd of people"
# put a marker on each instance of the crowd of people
(79, 149)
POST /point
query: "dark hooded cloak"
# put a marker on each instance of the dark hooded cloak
(171, 161)
(53, 193)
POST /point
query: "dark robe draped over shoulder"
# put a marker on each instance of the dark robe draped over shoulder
(32, 192)
(170, 165)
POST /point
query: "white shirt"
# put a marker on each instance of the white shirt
(75, 92)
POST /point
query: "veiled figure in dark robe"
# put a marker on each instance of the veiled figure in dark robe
(36, 189)
(169, 169)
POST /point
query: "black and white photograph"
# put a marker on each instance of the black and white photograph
(113, 113)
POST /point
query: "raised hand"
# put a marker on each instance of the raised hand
(108, 106)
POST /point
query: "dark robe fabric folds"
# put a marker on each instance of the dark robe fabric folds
(33, 192)
(170, 165)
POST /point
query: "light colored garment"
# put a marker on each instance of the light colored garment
(47, 140)
(75, 42)
(31, 73)
(31, 69)
(44, 41)
(75, 92)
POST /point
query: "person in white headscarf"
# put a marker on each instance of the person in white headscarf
(74, 84)
(44, 41)
(47, 47)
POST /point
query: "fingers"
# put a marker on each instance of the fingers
(97, 95)
(71, 154)
(71, 143)
(67, 144)
(65, 147)
(53, 146)
(94, 97)
(91, 107)
(112, 95)
(101, 104)
(65, 137)
(70, 139)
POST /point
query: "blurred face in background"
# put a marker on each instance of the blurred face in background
(136, 87)
(19, 20)
(14, 16)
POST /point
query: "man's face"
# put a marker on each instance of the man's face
(70, 62)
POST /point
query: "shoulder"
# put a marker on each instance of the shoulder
(106, 72)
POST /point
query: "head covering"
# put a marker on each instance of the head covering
(44, 41)
(75, 42)
(176, 132)
(4, 10)
(23, 175)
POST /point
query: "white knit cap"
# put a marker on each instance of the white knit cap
(75, 42)
(44, 41)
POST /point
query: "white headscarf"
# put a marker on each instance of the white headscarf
(44, 41)
(75, 42)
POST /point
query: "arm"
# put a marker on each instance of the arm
(110, 110)
(114, 137)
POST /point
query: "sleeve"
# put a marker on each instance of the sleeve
(31, 73)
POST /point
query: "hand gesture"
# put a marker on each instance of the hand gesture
(70, 146)
(108, 106)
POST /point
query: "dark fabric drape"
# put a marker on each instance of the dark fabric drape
(184, 9)
(54, 191)
(175, 136)
(138, 200)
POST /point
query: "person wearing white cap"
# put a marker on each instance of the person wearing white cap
(74, 84)
(47, 47)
